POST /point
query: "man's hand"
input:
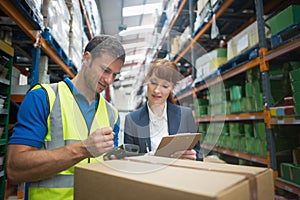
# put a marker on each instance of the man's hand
(186, 154)
(99, 142)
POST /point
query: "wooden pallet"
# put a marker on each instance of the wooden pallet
(32, 14)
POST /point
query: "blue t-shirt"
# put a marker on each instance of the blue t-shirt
(31, 127)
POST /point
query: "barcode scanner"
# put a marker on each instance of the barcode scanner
(124, 150)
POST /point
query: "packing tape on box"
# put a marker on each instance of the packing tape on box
(250, 177)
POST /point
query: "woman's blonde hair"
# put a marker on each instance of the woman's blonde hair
(166, 70)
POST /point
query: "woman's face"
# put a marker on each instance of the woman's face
(158, 90)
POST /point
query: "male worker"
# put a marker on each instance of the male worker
(61, 125)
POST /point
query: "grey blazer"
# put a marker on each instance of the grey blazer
(137, 129)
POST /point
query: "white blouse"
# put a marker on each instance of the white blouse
(158, 127)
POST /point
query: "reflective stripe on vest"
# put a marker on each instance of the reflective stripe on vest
(59, 181)
(65, 128)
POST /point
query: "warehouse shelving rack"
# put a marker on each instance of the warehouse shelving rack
(5, 87)
(262, 61)
(39, 42)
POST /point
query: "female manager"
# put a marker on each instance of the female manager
(159, 116)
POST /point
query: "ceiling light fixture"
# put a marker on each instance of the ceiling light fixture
(137, 57)
(142, 9)
(137, 30)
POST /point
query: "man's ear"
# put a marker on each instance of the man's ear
(87, 57)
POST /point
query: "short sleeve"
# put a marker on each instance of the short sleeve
(31, 126)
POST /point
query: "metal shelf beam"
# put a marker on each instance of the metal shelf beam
(232, 117)
(236, 154)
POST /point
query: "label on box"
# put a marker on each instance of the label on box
(242, 43)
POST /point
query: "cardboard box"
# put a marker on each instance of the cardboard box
(208, 63)
(152, 177)
(243, 41)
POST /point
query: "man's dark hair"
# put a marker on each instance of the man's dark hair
(106, 44)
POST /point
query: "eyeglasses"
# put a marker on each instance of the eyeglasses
(107, 71)
(155, 83)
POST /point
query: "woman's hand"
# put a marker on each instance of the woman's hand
(186, 154)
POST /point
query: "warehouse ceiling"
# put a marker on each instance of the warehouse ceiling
(133, 22)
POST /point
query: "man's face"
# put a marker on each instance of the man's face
(102, 71)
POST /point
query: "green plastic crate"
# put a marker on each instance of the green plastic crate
(297, 109)
(260, 130)
(253, 75)
(258, 147)
(236, 129)
(295, 64)
(202, 128)
(248, 129)
(242, 147)
(250, 145)
(196, 108)
(246, 105)
(261, 147)
(259, 102)
(235, 106)
(263, 152)
(295, 86)
(296, 174)
(295, 75)
(225, 129)
(252, 88)
(202, 102)
(219, 109)
(236, 92)
(286, 171)
(249, 89)
(202, 110)
(228, 107)
(296, 96)
(290, 172)
(235, 143)
(287, 17)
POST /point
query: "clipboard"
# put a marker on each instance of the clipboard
(179, 142)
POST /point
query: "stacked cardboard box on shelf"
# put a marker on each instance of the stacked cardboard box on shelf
(184, 37)
(175, 46)
(203, 10)
(171, 10)
(93, 16)
(151, 177)
(36, 7)
(76, 32)
(243, 41)
(56, 20)
(208, 63)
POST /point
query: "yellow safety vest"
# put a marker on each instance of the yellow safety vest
(67, 125)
